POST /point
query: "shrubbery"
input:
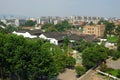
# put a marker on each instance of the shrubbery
(80, 70)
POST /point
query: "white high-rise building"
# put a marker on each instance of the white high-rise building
(4, 21)
(17, 22)
(55, 22)
(38, 21)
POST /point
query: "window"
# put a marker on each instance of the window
(89, 31)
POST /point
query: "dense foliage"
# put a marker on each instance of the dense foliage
(63, 26)
(1, 23)
(9, 29)
(82, 45)
(118, 30)
(112, 39)
(60, 27)
(109, 27)
(118, 41)
(80, 70)
(31, 59)
(94, 55)
(29, 23)
(114, 72)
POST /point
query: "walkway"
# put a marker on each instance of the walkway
(69, 74)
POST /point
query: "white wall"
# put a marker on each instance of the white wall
(42, 36)
(52, 40)
(26, 34)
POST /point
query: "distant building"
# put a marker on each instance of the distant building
(42, 20)
(4, 21)
(117, 22)
(10, 21)
(19, 22)
(97, 30)
(88, 19)
(52, 20)
(28, 33)
(38, 21)
(54, 37)
(33, 19)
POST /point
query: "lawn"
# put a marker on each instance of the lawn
(114, 72)
(112, 39)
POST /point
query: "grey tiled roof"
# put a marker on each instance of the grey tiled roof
(32, 32)
(56, 35)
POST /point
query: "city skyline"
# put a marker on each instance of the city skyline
(36, 8)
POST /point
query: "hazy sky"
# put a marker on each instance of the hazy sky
(105, 8)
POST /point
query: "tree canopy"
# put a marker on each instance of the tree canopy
(118, 30)
(109, 27)
(82, 45)
(1, 23)
(64, 25)
(80, 70)
(60, 27)
(31, 59)
(94, 55)
(29, 23)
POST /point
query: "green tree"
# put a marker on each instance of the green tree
(93, 56)
(118, 41)
(26, 58)
(1, 23)
(30, 23)
(47, 25)
(91, 23)
(118, 44)
(80, 70)
(51, 29)
(102, 22)
(81, 45)
(66, 44)
(118, 30)
(2, 56)
(2, 30)
(63, 26)
(10, 29)
(116, 55)
(60, 58)
(44, 65)
(70, 62)
(15, 55)
(109, 28)
(31, 59)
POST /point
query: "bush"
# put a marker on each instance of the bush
(70, 62)
(118, 73)
(112, 39)
(116, 55)
(104, 68)
(80, 70)
(110, 70)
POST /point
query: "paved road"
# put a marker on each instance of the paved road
(69, 74)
